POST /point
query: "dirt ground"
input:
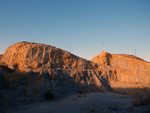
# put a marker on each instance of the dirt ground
(84, 103)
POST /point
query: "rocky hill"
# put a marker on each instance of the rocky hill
(129, 69)
(29, 71)
(26, 56)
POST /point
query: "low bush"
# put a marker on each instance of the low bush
(80, 92)
(141, 98)
(49, 95)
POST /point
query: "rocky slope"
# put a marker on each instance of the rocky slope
(26, 56)
(28, 71)
(129, 69)
(31, 70)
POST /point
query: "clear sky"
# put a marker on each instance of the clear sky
(78, 26)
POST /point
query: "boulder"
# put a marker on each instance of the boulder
(103, 58)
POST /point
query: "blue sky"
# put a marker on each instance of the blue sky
(78, 26)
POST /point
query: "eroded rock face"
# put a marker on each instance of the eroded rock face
(129, 68)
(52, 61)
(33, 69)
(35, 57)
(103, 58)
(19, 88)
(27, 56)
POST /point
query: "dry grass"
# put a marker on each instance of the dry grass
(141, 97)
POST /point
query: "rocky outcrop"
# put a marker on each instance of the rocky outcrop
(103, 58)
(19, 88)
(129, 68)
(29, 70)
(27, 56)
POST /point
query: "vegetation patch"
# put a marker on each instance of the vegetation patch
(141, 97)
(80, 92)
(48, 95)
(141, 100)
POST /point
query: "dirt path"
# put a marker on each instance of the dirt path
(89, 103)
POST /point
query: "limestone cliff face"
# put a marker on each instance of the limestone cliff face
(103, 58)
(41, 58)
(34, 69)
(128, 67)
(29, 70)
(48, 60)
(27, 56)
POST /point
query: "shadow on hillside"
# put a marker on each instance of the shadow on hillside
(104, 80)
(20, 88)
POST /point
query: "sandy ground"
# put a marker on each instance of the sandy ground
(81, 103)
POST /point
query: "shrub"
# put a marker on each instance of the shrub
(92, 110)
(80, 92)
(49, 95)
(79, 96)
(141, 98)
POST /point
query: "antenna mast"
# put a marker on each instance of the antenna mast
(135, 52)
(102, 47)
